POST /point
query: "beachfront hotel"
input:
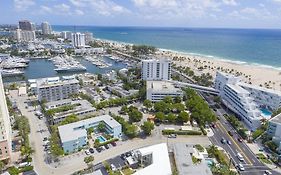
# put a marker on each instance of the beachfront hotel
(46, 28)
(74, 135)
(54, 88)
(5, 126)
(156, 69)
(274, 130)
(251, 103)
(158, 90)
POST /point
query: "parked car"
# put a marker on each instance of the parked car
(123, 156)
(99, 149)
(230, 133)
(87, 152)
(106, 146)
(23, 164)
(113, 143)
(92, 150)
(128, 154)
(45, 139)
(172, 136)
(240, 139)
(113, 167)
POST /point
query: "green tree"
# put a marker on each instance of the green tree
(178, 99)
(160, 106)
(147, 103)
(168, 99)
(131, 131)
(147, 127)
(101, 127)
(2, 165)
(135, 115)
(160, 116)
(183, 117)
(70, 119)
(178, 107)
(89, 159)
(171, 117)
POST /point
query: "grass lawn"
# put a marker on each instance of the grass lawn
(264, 159)
(127, 171)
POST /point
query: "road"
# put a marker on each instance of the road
(74, 162)
(252, 165)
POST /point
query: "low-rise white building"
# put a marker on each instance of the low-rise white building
(158, 90)
(274, 130)
(246, 100)
(52, 88)
(74, 135)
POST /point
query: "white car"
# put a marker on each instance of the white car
(241, 167)
(267, 172)
(87, 152)
(113, 167)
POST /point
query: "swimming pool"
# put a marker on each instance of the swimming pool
(101, 139)
(265, 113)
(209, 162)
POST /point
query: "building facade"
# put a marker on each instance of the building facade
(53, 89)
(24, 35)
(46, 28)
(154, 69)
(78, 40)
(88, 37)
(246, 100)
(158, 90)
(74, 135)
(5, 127)
(66, 35)
(274, 130)
(26, 25)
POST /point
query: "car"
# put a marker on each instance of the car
(45, 139)
(267, 172)
(241, 167)
(113, 143)
(128, 154)
(230, 133)
(106, 146)
(99, 149)
(123, 156)
(223, 141)
(87, 152)
(240, 157)
(240, 139)
(172, 136)
(113, 167)
(215, 109)
(228, 142)
(26, 107)
(92, 150)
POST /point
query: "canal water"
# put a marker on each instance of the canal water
(40, 68)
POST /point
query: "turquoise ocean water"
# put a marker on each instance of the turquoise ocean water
(246, 46)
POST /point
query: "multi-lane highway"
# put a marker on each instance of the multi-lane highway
(251, 163)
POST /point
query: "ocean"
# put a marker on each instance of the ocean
(245, 46)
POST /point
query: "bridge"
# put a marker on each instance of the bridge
(196, 87)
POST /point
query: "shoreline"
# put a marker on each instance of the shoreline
(212, 57)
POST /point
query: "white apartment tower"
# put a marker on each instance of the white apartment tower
(78, 40)
(24, 35)
(5, 126)
(156, 69)
(46, 28)
(88, 37)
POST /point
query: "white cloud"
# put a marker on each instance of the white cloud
(23, 5)
(79, 12)
(63, 9)
(45, 9)
(230, 2)
(102, 7)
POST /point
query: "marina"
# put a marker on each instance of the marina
(67, 64)
(97, 61)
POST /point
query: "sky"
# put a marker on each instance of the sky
(158, 13)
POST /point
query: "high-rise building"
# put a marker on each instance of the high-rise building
(26, 25)
(66, 35)
(274, 130)
(24, 35)
(88, 37)
(156, 69)
(46, 28)
(5, 126)
(78, 40)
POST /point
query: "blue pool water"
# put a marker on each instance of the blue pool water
(101, 139)
(209, 162)
(266, 113)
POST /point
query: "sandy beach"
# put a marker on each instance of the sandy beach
(256, 75)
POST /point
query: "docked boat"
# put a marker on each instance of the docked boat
(11, 72)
